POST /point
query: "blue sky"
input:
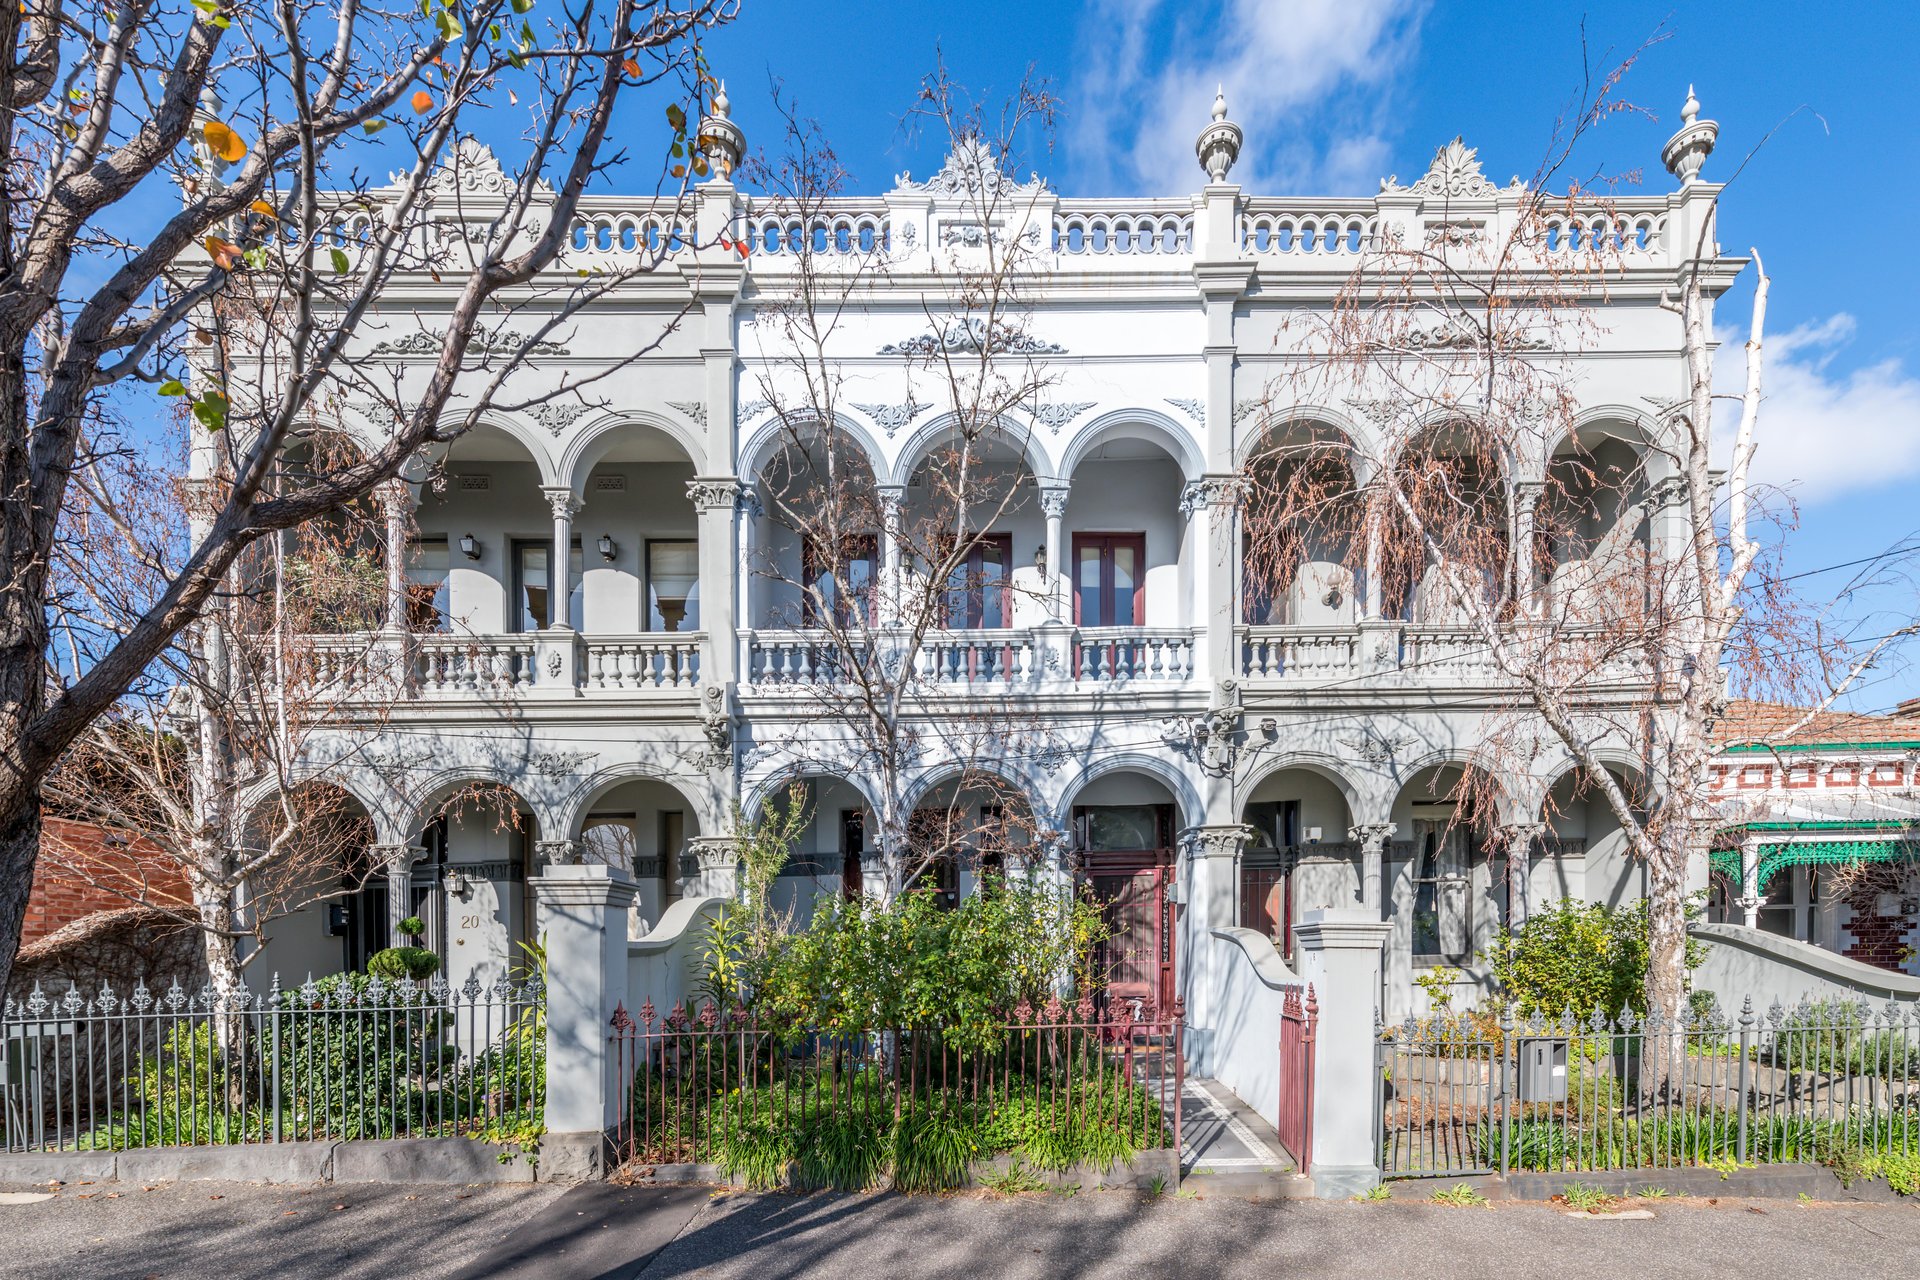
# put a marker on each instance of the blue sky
(1334, 94)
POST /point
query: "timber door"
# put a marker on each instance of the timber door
(1128, 855)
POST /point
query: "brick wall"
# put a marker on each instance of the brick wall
(84, 869)
(1881, 931)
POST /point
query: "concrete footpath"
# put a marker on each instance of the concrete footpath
(238, 1231)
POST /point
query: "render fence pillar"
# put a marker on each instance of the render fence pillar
(1213, 887)
(1340, 956)
(583, 914)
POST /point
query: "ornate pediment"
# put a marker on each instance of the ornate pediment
(1454, 175)
(972, 168)
(471, 170)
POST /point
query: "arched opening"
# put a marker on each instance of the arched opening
(1586, 854)
(1132, 549)
(967, 830)
(644, 827)
(1590, 526)
(1452, 529)
(1444, 886)
(1125, 828)
(480, 562)
(816, 537)
(1299, 858)
(970, 516)
(470, 879)
(1302, 541)
(321, 903)
(637, 540)
(831, 855)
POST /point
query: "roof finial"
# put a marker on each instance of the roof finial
(723, 141)
(1218, 145)
(1691, 143)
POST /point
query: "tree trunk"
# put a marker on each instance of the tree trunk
(1666, 960)
(19, 850)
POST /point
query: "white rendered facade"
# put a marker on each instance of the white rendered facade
(1164, 323)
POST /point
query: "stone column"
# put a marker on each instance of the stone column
(1340, 954)
(565, 507)
(1750, 882)
(1526, 497)
(721, 505)
(396, 504)
(718, 858)
(1220, 499)
(892, 587)
(1370, 602)
(398, 859)
(1519, 839)
(1372, 838)
(1053, 504)
(1213, 892)
(583, 912)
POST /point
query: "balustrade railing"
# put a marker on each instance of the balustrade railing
(968, 657)
(1127, 654)
(1297, 233)
(664, 660)
(473, 664)
(1299, 653)
(1120, 232)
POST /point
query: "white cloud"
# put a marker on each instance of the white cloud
(1306, 79)
(1822, 432)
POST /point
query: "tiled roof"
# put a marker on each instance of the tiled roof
(1767, 723)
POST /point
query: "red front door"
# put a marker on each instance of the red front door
(1129, 866)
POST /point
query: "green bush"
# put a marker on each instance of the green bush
(915, 963)
(396, 964)
(352, 1071)
(1578, 957)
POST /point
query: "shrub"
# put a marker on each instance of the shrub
(1578, 957)
(352, 1070)
(399, 963)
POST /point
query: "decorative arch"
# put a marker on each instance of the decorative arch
(1330, 767)
(758, 793)
(539, 446)
(1193, 808)
(921, 442)
(1624, 423)
(1359, 439)
(420, 800)
(1149, 425)
(759, 446)
(386, 827)
(1615, 760)
(1507, 805)
(587, 447)
(937, 775)
(579, 803)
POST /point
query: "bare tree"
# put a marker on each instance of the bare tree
(257, 299)
(1613, 586)
(903, 601)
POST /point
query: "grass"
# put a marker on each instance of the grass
(1375, 1195)
(1461, 1195)
(1585, 1197)
(1653, 1193)
(1017, 1180)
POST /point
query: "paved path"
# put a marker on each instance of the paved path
(236, 1232)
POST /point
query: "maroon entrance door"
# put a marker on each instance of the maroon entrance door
(1129, 867)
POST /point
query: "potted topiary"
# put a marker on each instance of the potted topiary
(411, 961)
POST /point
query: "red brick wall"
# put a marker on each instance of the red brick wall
(81, 866)
(1880, 940)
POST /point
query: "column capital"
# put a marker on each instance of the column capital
(715, 493)
(555, 853)
(561, 500)
(1527, 493)
(396, 496)
(1053, 498)
(397, 858)
(1521, 832)
(715, 853)
(1223, 840)
(1372, 835)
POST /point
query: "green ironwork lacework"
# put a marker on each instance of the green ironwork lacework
(1776, 857)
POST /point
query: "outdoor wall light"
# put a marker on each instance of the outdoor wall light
(607, 549)
(1040, 562)
(456, 884)
(469, 546)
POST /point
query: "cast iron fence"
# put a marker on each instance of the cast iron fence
(1491, 1093)
(345, 1057)
(1052, 1087)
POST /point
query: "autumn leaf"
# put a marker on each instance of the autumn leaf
(675, 116)
(422, 102)
(265, 210)
(223, 253)
(225, 142)
(631, 67)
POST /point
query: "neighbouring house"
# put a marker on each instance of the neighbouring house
(85, 869)
(1823, 836)
(580, 623)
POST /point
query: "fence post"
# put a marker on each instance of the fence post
(1746, 1070)
(583, 915)
(1341, 956)
(1509, 1086)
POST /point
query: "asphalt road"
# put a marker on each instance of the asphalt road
(232, 1232)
